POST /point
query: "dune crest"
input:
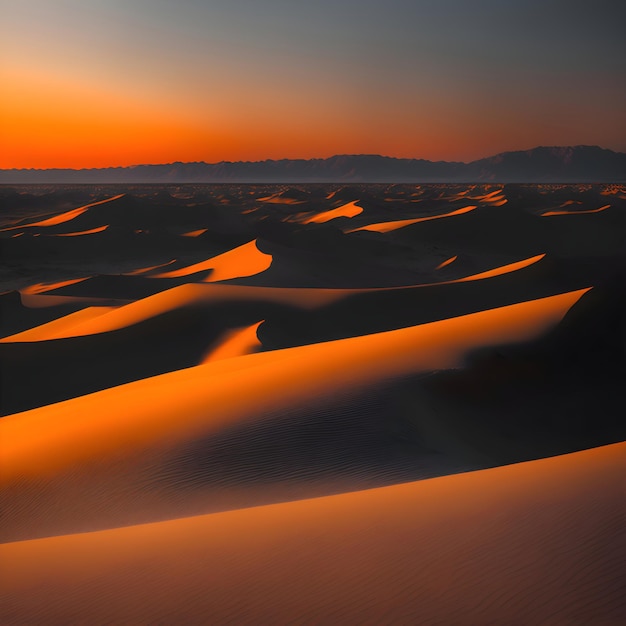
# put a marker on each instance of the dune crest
(195, 233)
(246, 260)
(40, 288)
(552, 213)
(180, 405)
(351, 209)
(234, 343)
(146, 270)
(65, 217)
(91, 231)
(59, 328)
(447, 262)
(387, 227)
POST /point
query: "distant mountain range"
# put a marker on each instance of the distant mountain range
(543, 164)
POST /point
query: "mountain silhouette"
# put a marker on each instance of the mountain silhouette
(542, 164)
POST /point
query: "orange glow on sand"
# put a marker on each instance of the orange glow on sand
(246, 260)
(234, 343)
(346, 210)
(447, 262)
(172, 407)
(92, 231)
(64, 217)
(43, 287)
(195, 233)
(552, 213)
(387, 227)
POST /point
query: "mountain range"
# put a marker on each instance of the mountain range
(573, 164)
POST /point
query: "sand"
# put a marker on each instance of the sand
(313, 404)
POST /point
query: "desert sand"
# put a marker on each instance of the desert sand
(285, 404)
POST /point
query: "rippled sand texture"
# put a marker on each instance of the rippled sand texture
(336, 404)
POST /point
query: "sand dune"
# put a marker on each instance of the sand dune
(579, 212)
(459, 550)
(59, 328)
(386, 227)
(195, 233)
(171, 299)
(150, 268)
(238, 342)
(447, 262)
(153, 421)
(217, 400)
(114, 318)
(65, 217)
(91, 231)
(245, 260)
(351, 209)
(40, 288)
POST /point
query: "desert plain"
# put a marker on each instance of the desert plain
(317, 403)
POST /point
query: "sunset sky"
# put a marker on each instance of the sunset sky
(93, 83)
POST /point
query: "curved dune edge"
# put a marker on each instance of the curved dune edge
(499, 271)
(169, 300)
(40, 288)
(178, 406)
(494, 198)
(387, 227)
(351, 209)
(195, 233)
(145, 270)
(234, 343)
(59, 328)
(246, 260)
(184, 295)
(553, 213)
(536, 542)
(91, 231)
(68, 216)
(447, 262)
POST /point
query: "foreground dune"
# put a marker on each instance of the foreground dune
(217, 405)
(142, 427)
(46, 439)
(533, 543)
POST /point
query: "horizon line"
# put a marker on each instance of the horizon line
(137, 165)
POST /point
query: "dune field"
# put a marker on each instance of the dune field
(313, 404)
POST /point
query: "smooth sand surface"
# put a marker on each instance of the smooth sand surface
(539, 542)
(336, 404)
(387, 227)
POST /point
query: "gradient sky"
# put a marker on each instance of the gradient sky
(92, 83)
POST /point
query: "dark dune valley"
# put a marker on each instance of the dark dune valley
(313, 403)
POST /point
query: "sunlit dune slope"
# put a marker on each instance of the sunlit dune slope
(141, 428)
(33, 448)
(195, 233)
(234, 343)
(187, 295)
(61, 327)
(533, 543)
(65, 217)
(91, 231)
(245, 260)
(351, 209)
(578, 212)
(179, 297)
(387, 227)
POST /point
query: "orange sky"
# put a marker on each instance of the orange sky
(100, 84)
